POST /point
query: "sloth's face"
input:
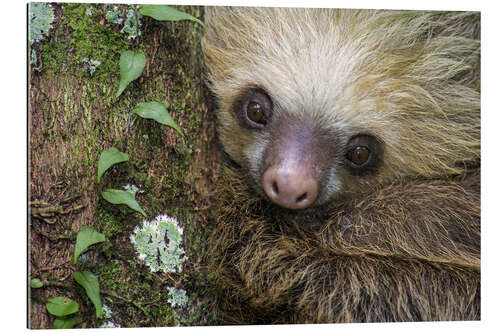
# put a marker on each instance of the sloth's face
(319, 106)
(295, 159)
(302, 115)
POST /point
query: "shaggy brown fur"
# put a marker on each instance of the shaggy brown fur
(406, 252)
(398, 244)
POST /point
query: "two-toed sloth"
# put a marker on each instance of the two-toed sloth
(355, 192)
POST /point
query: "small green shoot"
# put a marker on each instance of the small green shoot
(131, 67)
(108, 158)
(61, 306)
(89, 281)
(64, 323)
(36, 283)
(156, 111)
(119, 197)
(167, 13)
(85, 238)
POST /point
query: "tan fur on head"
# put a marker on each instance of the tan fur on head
(400, 243)
(409, 78)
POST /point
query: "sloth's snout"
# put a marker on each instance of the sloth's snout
(289, 185)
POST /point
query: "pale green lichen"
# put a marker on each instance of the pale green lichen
(106, 312)
(34, 60)
(40, 18)
(150, 243)
(113, 16)
(91, 65)
(132, 24)
(132, 189)
(109, 324)
(90, 11)
(178, 297)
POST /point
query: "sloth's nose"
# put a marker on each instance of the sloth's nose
(290, 186)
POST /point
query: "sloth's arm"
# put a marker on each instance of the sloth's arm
(436, 221)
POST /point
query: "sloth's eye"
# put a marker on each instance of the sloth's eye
(359, 155)
(253, 109)
(363, 154)
(255, 112)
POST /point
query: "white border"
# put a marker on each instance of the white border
(14, 144)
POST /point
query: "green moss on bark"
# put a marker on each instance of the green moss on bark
(80, 36)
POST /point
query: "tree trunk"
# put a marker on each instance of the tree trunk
(73, 116)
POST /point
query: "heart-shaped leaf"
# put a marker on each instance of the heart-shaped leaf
(131, 67)
(36, 283)
(156, 111)
(64, 323)
(166, 13)
(61, 306)
(86, 237)
(108, 158)
(89, 281)
(119, 197)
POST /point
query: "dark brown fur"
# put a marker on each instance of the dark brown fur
(407, 252)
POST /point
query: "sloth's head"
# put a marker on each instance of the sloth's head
(317, 105)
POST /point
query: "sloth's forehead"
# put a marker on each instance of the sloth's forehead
(315, 74)
(309, 83)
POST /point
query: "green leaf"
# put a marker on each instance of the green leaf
(36, 283)
(131, 67)
(119, 197)
(85, 238)
(108, 158)
(61, 306)
(166, 13)
(89, 281)
(156, 111)
(64, 323)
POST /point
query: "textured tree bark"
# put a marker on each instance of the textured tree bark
(73, 116)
